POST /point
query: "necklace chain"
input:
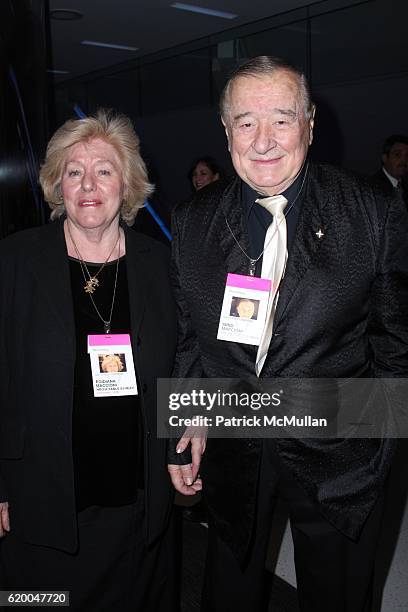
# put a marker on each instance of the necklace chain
(254, 261)
(92, 282)
(90, 285)
(106, 323)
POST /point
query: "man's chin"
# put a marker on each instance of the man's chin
(267, 187)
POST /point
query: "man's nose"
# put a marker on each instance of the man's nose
(265, 138)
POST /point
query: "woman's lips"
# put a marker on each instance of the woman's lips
(86, 203)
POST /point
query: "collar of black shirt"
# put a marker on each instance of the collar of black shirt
(257, 219)
(249, 196)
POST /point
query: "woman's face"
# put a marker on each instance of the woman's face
(202, 176)
(111, 366)
(92, 184)
(111, 363)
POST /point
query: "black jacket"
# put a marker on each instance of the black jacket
(37, 352)
(381, 180)
(341, 313)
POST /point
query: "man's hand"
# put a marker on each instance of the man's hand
(4, 519)
(185, 478)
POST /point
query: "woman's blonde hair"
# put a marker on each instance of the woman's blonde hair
(111, 358)
(115, 129)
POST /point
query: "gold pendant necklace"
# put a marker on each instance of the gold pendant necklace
(106, 323)
(92, 283)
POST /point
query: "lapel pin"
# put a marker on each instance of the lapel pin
(319, 234)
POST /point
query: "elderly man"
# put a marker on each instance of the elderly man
(336, 309)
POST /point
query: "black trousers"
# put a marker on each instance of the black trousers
(112, 570)
(334, 573)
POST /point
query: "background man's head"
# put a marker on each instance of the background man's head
(395, 155)
(268, 118)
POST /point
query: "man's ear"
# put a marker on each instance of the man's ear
(226, 133)
(384, 158)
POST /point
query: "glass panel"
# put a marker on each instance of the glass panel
(66, 97)
(360, 41)
(176, 82)
(119, 91)
(288, 41)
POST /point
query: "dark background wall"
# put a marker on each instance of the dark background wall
(356, 58)
(23, 112)
(355, 55)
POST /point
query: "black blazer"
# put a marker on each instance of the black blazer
(341, 313)
(381, 180)
(37, 351)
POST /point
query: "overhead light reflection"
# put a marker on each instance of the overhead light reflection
(96, 43)
(204, 11)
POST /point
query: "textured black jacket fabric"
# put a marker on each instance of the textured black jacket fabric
(341, 313)
(37, 352)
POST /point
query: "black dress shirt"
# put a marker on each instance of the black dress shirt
(258, 219)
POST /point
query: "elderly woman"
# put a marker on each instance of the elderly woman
(84, 492)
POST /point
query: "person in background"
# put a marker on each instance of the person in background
(85, 498)
(394, 172)
(204, 171)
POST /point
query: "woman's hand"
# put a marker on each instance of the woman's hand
(185, 478)
(4, 519)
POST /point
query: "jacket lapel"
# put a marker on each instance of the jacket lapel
(49, 264)
(310, 234)
(232, 230)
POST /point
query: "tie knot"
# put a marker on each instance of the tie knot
(274, 204)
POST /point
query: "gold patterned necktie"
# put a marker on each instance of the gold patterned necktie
(274, 259)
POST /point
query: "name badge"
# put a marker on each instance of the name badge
(244, 309)
(113, 370)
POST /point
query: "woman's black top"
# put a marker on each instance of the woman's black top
(106, 431)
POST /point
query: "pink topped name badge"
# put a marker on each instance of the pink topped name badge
(108, 340)
(244, 308)
(248, 282)
(113, 370)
